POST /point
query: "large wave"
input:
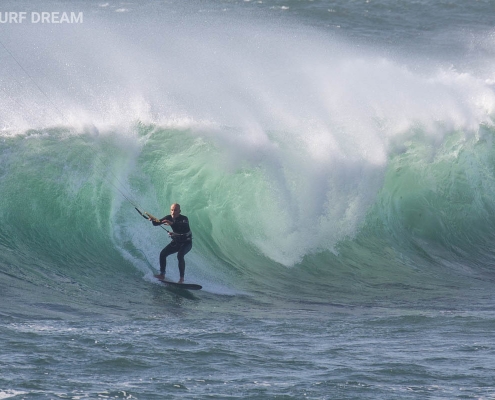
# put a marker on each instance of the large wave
(292, 154)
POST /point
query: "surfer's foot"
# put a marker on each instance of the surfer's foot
(160, 277)
(181, 280)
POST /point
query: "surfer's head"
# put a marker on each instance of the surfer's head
(175, 210)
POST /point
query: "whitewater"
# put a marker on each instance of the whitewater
(336, 162)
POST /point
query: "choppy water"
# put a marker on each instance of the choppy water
(335, 160)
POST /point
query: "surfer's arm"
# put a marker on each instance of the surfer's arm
(163, 221)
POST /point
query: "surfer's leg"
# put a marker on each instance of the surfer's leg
(169, 249)
(185, 248)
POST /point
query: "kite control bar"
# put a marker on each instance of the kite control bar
(147, 215)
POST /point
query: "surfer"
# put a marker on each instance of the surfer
(181, 240)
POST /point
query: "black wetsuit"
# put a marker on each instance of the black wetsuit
(181, 242)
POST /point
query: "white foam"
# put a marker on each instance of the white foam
(6, 394)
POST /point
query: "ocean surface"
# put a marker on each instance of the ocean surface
(336, 160)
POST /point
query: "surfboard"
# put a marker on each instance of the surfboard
(186, 286)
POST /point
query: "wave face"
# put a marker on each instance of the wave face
(298, 158)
